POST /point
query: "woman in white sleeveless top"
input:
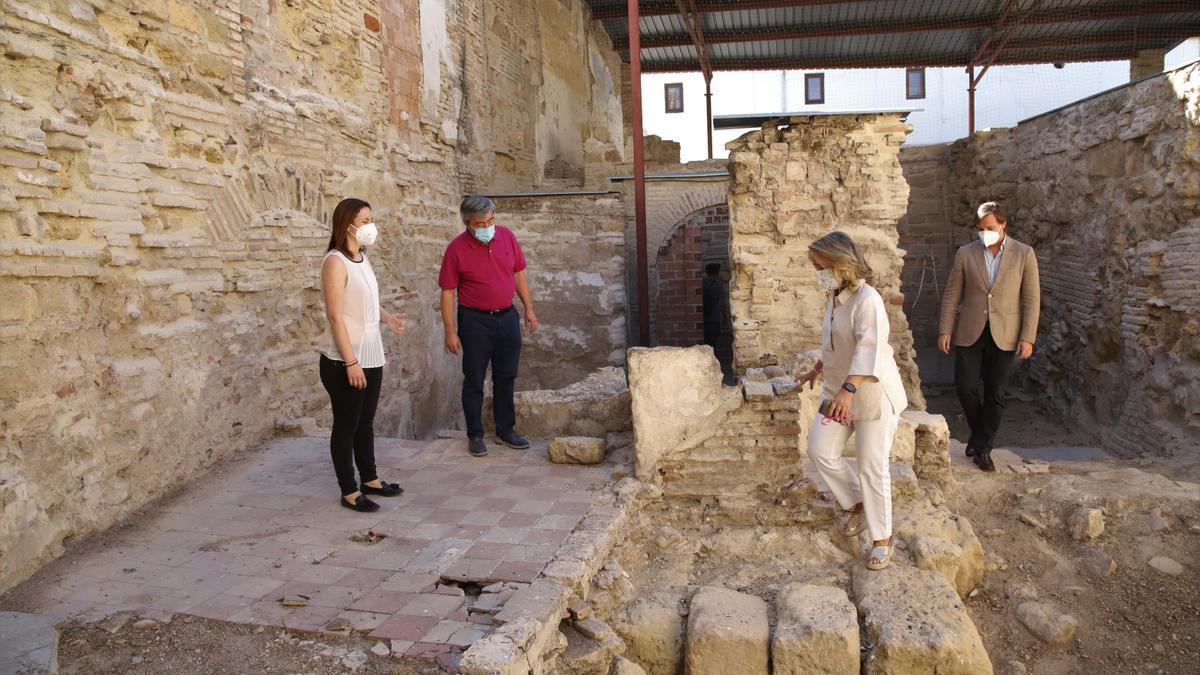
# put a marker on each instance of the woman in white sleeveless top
(862, 394)
(352, 353)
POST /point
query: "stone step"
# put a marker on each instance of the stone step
(914, 622)
(727, 633)
(816, 631)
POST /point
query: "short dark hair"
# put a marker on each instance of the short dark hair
(474, 205)
(712, 269)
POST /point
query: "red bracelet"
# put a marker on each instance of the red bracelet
(354, 363)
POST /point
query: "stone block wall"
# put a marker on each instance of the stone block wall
(167, 173)
(1108, 193)
(788, 187)
(575, 247)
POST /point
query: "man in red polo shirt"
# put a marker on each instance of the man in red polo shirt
(485, 266)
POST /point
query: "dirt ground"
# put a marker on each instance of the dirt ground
(1136, 620)
(193, 646)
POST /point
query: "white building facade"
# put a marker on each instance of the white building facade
(1005, 96)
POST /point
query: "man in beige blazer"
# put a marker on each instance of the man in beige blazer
(990, 310)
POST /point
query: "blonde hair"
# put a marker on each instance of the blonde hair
(843, 258)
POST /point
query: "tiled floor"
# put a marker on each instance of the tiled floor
(268, 525)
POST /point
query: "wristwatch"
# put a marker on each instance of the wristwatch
(849, 387)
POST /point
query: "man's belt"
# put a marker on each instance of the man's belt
(489, 312)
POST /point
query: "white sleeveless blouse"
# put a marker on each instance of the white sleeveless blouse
(360, 310)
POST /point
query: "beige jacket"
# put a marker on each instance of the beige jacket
(854, 341)
(1009, 308)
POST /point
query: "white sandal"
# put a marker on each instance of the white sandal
(854, 524)
(882, 553)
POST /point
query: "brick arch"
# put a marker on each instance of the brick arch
(665, 221)
(700, 237)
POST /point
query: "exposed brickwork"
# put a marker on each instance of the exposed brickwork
(167, 173)
(791, 185)
(1106, 192)
(679, 307)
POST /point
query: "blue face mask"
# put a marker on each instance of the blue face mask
(484, 234)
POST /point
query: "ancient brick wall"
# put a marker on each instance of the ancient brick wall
(167, 173)
(678, 311)
(575, 246)
(788, 187)
(1108, 192)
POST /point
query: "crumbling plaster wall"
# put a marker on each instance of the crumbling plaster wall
(788, 187)
(1108, 192)
(167, 173)
(576, 251)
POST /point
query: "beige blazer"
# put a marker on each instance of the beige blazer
(1010, 308)
(854, 341)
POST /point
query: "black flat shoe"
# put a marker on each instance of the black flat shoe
(970, 451)
(361, 504)
(385, 489)
(477, 447)
(513, 441)
(984, 461)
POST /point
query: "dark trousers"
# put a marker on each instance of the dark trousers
(714, 336)
(982, 362)
(495, 339)
(353, 439)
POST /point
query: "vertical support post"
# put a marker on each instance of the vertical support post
(639, 172)
(970, 100)
(708, 100)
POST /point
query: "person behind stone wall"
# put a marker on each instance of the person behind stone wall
(716, 311)
(351, 363)
(484, 267)
(862, 393)
(990, 309)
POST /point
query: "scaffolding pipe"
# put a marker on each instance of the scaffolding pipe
(639, 173)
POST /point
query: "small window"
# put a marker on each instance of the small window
(674, 96)
(814, 88)
(915, 83)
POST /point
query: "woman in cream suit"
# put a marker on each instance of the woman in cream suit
(862, 393)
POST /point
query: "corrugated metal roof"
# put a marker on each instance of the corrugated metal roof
(827, 34)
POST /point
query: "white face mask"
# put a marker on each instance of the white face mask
(827, 280)
(366, 234)
(989, 237)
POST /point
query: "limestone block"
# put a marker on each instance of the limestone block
(577, 450)
(595, 406)
(931, 453)
(1086, 522)
(1047, 623)
(677, 400)
(727, 633)
(916, 623)
(947, 544)
(816, 631)
(653, 632)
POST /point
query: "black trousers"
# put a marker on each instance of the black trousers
(353, 439)
(489, 339)
(983, 363)
(714, 336)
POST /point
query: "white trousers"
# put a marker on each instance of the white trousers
(872, 483)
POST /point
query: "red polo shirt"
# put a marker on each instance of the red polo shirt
(483, 273)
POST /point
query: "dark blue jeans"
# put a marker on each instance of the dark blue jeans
(494, 339)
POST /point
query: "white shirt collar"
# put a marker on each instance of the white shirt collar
(844, 296)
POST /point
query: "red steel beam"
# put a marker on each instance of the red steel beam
(1042, 18)
(639, 177)
(993, 30)
(1009, 32)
